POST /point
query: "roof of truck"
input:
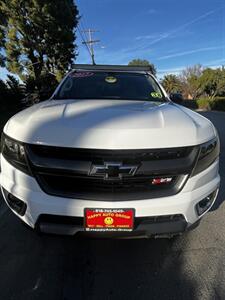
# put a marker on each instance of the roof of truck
(111, 68)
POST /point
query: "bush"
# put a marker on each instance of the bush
(39, 90)
(11, 93)
(218, 104)
(204, 103)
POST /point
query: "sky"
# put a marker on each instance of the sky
(172, 34)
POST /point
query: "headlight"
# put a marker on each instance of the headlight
(208, 153)
(14, 153)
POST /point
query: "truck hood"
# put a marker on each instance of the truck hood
(109, 124)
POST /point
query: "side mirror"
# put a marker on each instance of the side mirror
(176, 98)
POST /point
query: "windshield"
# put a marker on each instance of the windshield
(113, 85)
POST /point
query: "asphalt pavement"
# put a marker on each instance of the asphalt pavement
(51, 267)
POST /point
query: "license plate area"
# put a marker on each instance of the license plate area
(102, 219)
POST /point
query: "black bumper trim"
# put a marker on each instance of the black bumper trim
(150, 226)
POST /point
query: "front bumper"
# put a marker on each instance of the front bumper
(144, 226)
(38, 203)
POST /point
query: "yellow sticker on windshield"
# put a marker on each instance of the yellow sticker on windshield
(156, 95)
(111, 79)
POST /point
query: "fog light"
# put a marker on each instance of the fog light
(205, 204)
(15, 204)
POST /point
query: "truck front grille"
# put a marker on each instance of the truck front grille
(68, 172)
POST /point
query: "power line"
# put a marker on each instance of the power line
(82, 22)
(83, 39)
(90, 43)
(86, 36)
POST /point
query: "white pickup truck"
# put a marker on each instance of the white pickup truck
(110, 152)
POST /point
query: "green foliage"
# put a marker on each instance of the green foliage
(204, 103)
(196, 82)
(171, 84)
(143, 62)
(47, 83)
(212, 82)
(38, 36)
(2, 37)
(190, 81)
(15, 88)
(217, 103)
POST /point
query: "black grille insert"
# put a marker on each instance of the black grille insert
(66, 172)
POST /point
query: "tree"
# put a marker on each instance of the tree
(2, 37)
(48, 84)
(16, 90)
(171, 83)
(212, 82)
(4, 93)
(38, 36)
(143, 62)
(11, 94)
(190, 81)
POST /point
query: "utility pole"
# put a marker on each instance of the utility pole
(90, 42)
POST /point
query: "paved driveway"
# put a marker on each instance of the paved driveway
(64, 268)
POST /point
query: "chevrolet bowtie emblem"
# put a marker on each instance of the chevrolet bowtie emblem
(112, 170)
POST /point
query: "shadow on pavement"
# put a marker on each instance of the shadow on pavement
(129, 269)
(67, 268)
